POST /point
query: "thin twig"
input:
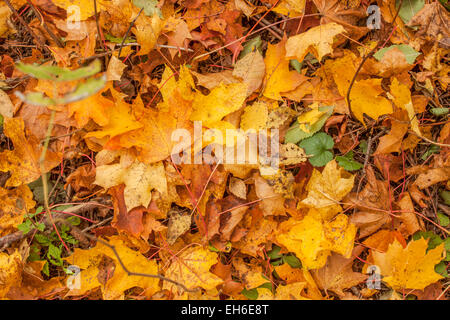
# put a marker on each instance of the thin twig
(44, 24)
(128, 30)
(23, 22)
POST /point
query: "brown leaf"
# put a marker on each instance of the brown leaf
(372, 204)
(337, 275)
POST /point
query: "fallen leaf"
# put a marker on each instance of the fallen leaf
(192, 269)
(23, 161)
(279, 78)
(317, 41)
(337, 275)
(139, 179)
(411, 267)
(365, 99)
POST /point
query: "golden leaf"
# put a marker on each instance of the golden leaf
(317, 40)
(23, 161)
(411, 267)
(191, 268)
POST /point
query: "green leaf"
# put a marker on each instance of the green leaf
(348, 163)
(59, 74)
(118, 40)
(292, 260)
(40, 226)
(42, 239)
(150, 7)
(45, 269)
(250, 46)
(25, 227)
(410, 53)
(296, 65)
(34, 253)
(75, 221)
(440, 111)
(429, 152)
(409, 8)
(441, 268)
(82, 91)
(363, 146)
(295, 134)
(251, 294)
(266, 285)
(274, 253)
(318, 147)
(443, 219)
(445, 195)
(433, 239)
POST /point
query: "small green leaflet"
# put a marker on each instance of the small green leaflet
(445, 195)
(251, 45)
(440, 111)
(55, 73)
(118, 40)
(83, 91)
(409, 8)
(429, 152)
(443, 219)
(319, 146)
(292, 260)
(295, 134)
(252, 294)
(410, 53)
(346, 161)
(296, 65)
(149, 6)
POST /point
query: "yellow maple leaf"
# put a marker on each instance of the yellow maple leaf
(139, 179)
(154, 141)
(292, 291)
(365, 98)
(10, 271)
(14, 204)
(402, 99)
(290, 8)
(411, 267)
(120, 120)
(191, 268)
(23, 161)
(317, 40)
(147, 31)
(311, 240)
(95, 107)
(279, 78)
(85, 7)
(255, 116)
(90, 261)
(220, 102)
(327, 188)
(309, 118)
